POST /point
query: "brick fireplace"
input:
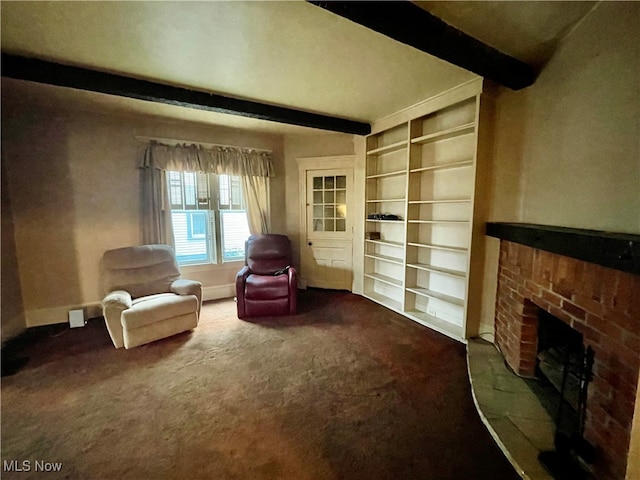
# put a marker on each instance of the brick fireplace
(597, 294)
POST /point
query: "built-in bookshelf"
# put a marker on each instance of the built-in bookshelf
(420, 193)
(386, 203)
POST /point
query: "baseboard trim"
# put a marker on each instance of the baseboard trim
(55, 315)
(216, 292)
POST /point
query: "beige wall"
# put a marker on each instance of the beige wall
(303, 146)
(573, 135)
(12, 313)
(74, 187)
(567, 150)
(74, 191)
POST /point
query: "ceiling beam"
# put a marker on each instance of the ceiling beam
(42, 71)
(408, 23)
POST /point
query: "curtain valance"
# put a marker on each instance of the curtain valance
(219, 160)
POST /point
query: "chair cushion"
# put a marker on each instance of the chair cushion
(155, 308)
(266, 254)
(266, 287)
(142, 270)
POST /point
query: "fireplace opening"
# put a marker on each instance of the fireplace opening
(560, 357)
(565, 367)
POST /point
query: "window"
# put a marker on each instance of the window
(330, 203)
(209, 217)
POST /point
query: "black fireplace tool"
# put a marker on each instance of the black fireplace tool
(573, 454)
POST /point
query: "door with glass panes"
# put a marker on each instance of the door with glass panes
(327, 254)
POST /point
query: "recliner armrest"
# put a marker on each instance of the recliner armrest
(243, 273)
(241, 278)
(117, 298)
(113, 304)
(184, 286)
(293, 290)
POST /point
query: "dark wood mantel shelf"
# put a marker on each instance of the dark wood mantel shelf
(620, 251)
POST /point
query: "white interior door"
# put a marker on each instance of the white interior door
(327, 248)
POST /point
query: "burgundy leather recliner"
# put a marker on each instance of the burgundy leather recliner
(267, 284)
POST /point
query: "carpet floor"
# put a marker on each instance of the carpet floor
(346, 389)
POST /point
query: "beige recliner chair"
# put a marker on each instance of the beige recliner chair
(146, 298)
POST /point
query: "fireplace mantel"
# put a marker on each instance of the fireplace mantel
(619, 251)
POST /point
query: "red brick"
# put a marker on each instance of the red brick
(525, 260)
(579, 267)
(624, 292)
(514, 305)
(617, 439)
(542, 265)
(621, 411)
(503, 251)
(536, 299)
(588, 304)
(561, 314)
(527, 368)
(592, 432)
(628, 323)
(623, 362)
(610, 377)
(552, 298)
(599, 414)
(592, 281)
(518, 297)
(503, 287)
(607, 328)
(529, 338)
(563, 277)
(512, 253)
(533, 288)
(529, 345)
(631, 341)
(573, 310)
(590, 336)
(634, 303)
(625, 394)
(608, 281)
(512, 362)
(602, 354)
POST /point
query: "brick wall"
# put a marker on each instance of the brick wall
(602, 304)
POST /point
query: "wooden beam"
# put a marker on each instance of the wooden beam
(408, 23)
(51, 73)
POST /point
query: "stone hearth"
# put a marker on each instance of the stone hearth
(601, 303)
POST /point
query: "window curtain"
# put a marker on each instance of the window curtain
(255, 168)
(256, 194)
(155, 217)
